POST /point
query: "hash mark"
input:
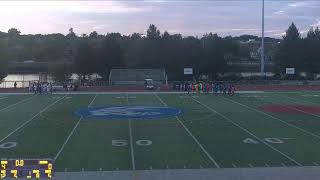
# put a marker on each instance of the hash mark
(315, 163)
(250, 165)
(267, 164)
(233, 165)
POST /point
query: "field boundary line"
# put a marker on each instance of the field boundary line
(192, 136)
(32, 118)
(19, 102)
(273, 117)
(71, 133)
(133, 163)
(247, 131)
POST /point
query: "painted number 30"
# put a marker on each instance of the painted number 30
(119, 143)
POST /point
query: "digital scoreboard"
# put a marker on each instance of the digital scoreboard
(26, 168)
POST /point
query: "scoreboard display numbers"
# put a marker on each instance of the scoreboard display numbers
(26, 168)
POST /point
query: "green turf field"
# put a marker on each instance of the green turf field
(212, 132)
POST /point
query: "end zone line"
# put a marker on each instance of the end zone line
(273, 117)
(19, 102)
(193, 137)
(248, 132)
(71, 133)
(133, 163)
(32, 118)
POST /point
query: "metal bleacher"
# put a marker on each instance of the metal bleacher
(136, 76)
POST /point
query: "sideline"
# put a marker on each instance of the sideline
(257, 173)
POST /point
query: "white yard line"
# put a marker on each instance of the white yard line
(273, 117)
(133, 163)
(193, 137)
(71, 133)
(32, 118)
(19, 102)
(247, 131)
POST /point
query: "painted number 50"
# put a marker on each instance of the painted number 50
(120, 143)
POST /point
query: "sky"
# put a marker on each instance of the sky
(192, 17)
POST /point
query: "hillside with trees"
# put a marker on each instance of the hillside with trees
(208, 55)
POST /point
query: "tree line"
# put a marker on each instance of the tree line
(207, 55)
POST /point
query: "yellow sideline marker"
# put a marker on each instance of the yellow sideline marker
(43, 162)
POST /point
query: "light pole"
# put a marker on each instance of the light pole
(262, 42)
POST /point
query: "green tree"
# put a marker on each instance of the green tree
(84, 59)
(13, 32)
(71, 35)
(153, 32)
(59, 71)
(3, 59)
(93, 35)
(108, 55)
(290, 52)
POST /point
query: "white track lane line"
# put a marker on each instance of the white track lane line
(32, 118)
(193, 137)
(72, 131)
(248, 132)
(273, 117)
(133, 163)
(19, 102)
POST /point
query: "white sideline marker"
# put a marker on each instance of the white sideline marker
(72, 131)
(133, 163)
(32, 118)
(273, 117)
(247, 131)
(194, 138)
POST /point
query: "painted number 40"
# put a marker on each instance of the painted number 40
(119, 143)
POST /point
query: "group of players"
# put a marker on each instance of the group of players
(39, 88)
(206, 87)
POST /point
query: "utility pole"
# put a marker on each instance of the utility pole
(262, 42)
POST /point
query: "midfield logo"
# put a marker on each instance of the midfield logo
(128, 112)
